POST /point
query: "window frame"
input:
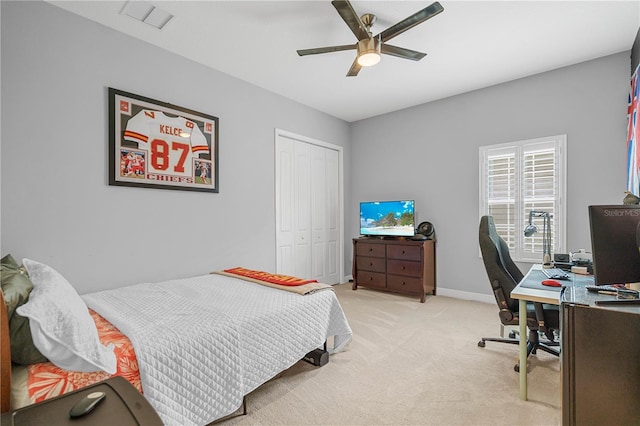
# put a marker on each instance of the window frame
(518, 149)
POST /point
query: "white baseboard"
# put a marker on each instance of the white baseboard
(465, 295)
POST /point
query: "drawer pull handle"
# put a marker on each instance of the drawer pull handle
(403, 252)
(403, 268)
(403, 283)
(370, 263)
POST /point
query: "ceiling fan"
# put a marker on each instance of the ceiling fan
(370, 47)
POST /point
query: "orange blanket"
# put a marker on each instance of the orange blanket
(268, 277)
(46, 380)
(281, 282)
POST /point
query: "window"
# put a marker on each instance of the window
(518, 177)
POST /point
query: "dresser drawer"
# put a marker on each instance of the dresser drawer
(374, 250)
(371, 279)
(404, 252)
(404, 284)
(396, 266)
(404, 267)
(374, 264)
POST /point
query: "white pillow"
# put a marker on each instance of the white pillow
(61, 326)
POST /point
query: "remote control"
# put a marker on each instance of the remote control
(86, 404)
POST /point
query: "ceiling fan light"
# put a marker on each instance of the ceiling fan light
(368, 59)
(368, 52)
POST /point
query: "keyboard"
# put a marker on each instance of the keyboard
(556, 274)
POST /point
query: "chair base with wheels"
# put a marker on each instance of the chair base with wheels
(533, 344)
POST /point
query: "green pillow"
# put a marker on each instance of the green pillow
(9, 261)
(16, 287)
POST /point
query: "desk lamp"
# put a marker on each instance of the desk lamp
(531, 229)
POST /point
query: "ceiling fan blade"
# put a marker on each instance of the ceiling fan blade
(329, 49)
(355, 69)
(410, 22)
(350, 16)
(401, 52)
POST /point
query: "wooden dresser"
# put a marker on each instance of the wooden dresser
(394, 265)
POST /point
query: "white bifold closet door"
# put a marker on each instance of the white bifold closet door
(308, 209)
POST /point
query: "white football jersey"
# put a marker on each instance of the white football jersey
(171, 142)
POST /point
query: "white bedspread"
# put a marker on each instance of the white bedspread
(203, 343)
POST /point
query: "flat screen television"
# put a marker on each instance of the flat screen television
(387, 218)
(616, 259)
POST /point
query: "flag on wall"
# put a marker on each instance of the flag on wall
(633, 134)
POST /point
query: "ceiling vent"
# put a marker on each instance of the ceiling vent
(146, 12)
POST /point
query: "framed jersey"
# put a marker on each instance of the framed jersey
(155, 144)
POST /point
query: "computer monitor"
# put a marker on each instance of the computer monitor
(616, 258)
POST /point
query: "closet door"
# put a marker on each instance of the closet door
(302, 211)
(308, 209)
(293, 217)
(334, 217)
(324, 214)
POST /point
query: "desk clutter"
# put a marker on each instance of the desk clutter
(624, 296)
(615, 289)
(579, 262)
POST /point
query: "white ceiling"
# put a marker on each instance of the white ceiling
(471, 45)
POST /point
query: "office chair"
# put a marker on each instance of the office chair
(504, 276)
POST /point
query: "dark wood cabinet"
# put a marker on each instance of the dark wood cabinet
(123, 405)
(394, 265)
(600, 361)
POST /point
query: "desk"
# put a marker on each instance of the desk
(530, 290)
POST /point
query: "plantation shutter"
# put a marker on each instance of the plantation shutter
(539, 193)
(518, 177)
(501, 180)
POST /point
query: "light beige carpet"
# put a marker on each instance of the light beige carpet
(411, 363)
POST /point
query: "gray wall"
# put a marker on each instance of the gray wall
(635, 52)
(56, 204)
(430, 153)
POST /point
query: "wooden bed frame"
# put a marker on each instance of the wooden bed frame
(5, 358)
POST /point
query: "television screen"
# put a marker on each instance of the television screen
(387, 218)
(616, 259)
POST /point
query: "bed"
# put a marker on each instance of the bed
(199, 344)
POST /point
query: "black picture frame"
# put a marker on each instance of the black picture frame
(155, 144)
